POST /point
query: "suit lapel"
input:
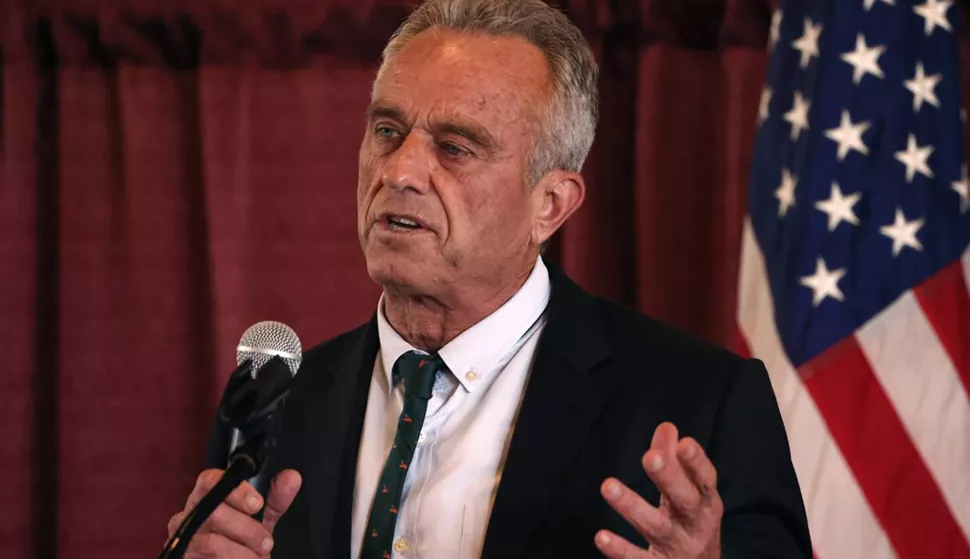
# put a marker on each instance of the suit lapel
(334, 412)
(565, 394)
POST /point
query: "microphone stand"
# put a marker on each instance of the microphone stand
(253, 408)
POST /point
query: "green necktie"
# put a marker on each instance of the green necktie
(417, 371)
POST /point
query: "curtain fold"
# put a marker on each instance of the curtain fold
(173, 171)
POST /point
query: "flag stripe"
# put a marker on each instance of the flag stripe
(926, 393)
(890, 471)
(841, 522)
(739, 344)
(946, 301)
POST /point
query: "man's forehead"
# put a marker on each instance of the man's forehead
(444, 46)
(463, 75)
(413, 100)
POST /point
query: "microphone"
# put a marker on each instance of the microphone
(271, 353)
(268, 357)
(265, 340)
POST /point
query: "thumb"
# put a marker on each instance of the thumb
(283, 490)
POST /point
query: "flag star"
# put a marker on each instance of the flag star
(934, 12)
(785, 193)
(864, 60)
(839, 207)
(923, 86)
(824, 283)
(798, 115)
(765, 105)
(807, 44)
(903, 233)
(775, 30)
(870, 3)
(962, 187)
(915, 158)
(848, 136)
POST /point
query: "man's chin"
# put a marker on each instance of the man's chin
(397, 270)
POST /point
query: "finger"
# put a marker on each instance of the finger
(663, 467)
(285, 486)
(208, 545)
(203, 484)
(240, 528)
(615, 547)
(244, 497)
(651, 522)
(698, 467)
(175, 522)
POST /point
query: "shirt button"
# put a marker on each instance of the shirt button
(471, 375)
(421, 438)
(401, 545)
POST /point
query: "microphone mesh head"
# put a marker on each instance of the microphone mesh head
(264, 340)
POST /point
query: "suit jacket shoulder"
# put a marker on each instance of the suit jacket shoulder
(675, 358)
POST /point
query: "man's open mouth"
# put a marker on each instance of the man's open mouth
(400, 222)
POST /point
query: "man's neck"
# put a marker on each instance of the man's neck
(428, 324)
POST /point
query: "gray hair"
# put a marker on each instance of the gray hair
(569, 123)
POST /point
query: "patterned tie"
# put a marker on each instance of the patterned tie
(418, 372)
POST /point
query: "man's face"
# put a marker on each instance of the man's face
(442, 202)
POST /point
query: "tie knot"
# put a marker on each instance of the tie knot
(418, 371)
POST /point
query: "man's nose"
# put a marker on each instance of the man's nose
(409, 166)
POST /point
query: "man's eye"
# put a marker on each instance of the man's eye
(452, 149)
(385, 132)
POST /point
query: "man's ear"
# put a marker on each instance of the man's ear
(557, 196)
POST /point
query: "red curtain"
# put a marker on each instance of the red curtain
(173, 171)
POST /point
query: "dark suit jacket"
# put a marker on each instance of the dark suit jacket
(604, 378)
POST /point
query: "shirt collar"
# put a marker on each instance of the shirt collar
(474, 354)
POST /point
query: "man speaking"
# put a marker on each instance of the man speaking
(491, 408)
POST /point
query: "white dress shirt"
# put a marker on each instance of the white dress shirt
(453, 477)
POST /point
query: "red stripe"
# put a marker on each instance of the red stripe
(946, 303)
(893, 477)
(739, 344)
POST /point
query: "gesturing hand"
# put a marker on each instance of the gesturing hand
(687, 525)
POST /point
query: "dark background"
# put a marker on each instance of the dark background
(173, 171)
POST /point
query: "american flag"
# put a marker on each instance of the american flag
(854, 272)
